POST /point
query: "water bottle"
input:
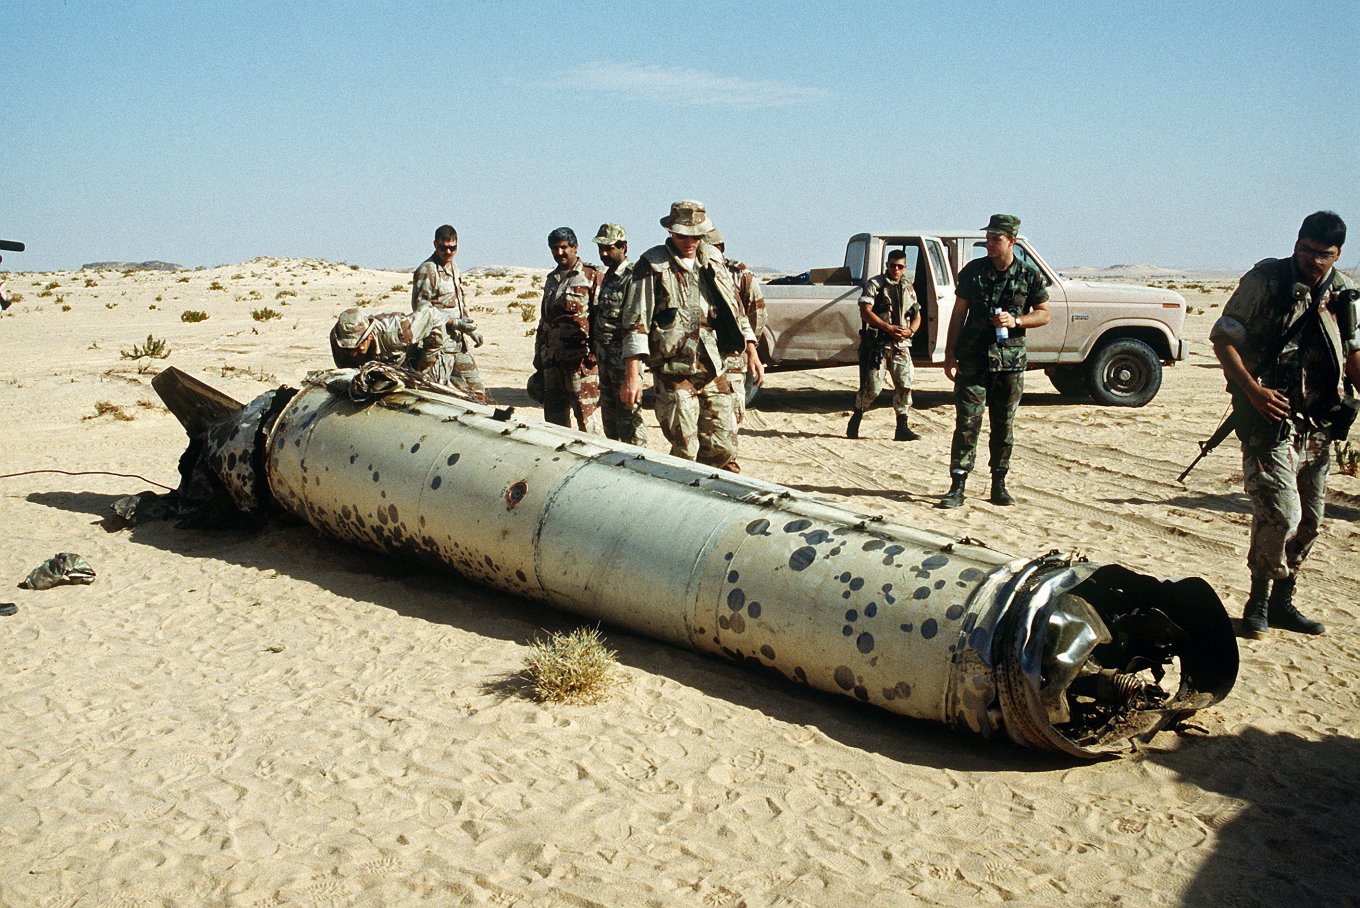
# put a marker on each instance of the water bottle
(1002, 334)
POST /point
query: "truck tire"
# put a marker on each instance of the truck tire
(1124, 373)
(1070, 380)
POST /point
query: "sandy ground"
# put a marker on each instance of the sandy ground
(273, 718)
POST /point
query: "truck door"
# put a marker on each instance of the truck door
(937, 301)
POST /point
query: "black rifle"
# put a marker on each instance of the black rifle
(1206, 448)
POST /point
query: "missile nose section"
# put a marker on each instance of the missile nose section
(1055, 653)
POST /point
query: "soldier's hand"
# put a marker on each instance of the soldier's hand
(1271, 404)
(476, 336)
(630, 392)
(754, 367)
(899, 331)
(951, 367)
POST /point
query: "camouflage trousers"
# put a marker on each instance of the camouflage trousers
(571, 395)
(894, 364)
(1287, 484)
(735, 367)
(458, 370)
(999, 394)
(698, 418)
(621, 423)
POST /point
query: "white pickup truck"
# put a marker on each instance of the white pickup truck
(1104, 340)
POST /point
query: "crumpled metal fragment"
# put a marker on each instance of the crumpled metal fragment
(134, 510)
(62, 568)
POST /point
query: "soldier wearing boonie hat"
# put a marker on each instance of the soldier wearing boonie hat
(682, 315)
(998, 298)
(621, 422)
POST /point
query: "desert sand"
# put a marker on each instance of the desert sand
(274, 718)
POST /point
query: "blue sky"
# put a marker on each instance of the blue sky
(1177, 134)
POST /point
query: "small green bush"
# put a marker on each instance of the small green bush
(193, 315)
(265, 314)
(503, 289)
(216, 285)
(571, 668)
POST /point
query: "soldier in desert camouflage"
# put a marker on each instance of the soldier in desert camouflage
(752, 301)
(408, 339)
(571, 381)
(621, 423)
(437, 283)
(685, 320)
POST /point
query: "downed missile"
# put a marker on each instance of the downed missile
(1057, 654)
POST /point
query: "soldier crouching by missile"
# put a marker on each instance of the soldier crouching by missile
(411, 340)
(682, 316)
(1288, 345)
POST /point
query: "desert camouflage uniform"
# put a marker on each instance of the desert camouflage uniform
(409, 339)
(752, 300)
(442, 288)
(990, 376)
(1285, 465)
(881, 353)
(685, 323)
(606, 335)
(571, 381)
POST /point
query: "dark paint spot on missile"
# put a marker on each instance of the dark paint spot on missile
(415, 447)
(733, 576)
(801, 558)
(971, 573)
(847, 631)
(845, 595)
(844, 677)
(392, 512)
(524, 579)
(800, 674)
(353, 458)
(888, 597)
(862, 693)
(797, 526)
(865, 643)
(817, 537)
(857, 583)
(231, 461)
(954, 612)
(453, 459)
(934, 562)
(489, 562)
(844, 577)
(939, 584)
(900, 691)
(382, 515)
(851, 615)
(871, 610)
(344, 511)
(922, 592)
(758, 527)
(723, 623)
(753, 609)
(905, 628)
(728, 556)
(893, 551)
(929, 628)
(874, 545)
(736, 599)
(436, 482)
(738, 624)
(375, 475)
(767, 651)
(836, 551)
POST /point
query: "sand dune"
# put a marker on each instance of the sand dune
(271, 718)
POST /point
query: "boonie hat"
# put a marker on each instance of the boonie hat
(610, 235)
(687, 218)
(349, 329)
(714, 237)
(1008, 224)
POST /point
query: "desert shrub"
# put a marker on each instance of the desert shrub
(154, 348)
(65, 307)
(397, 288)
(91, 282)
(238, 277)
(283, 293)
(182, 280)
(108, 408)
(16, 297)
(52, 286)
(526, 295)
(112, 305)
(159, 298)
(216, 285)
(1347, 458)
(570, 668)
(128, 271)
(44, 293)
(503, 289)
(193, 315)
(353, 267)
(265, 314)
